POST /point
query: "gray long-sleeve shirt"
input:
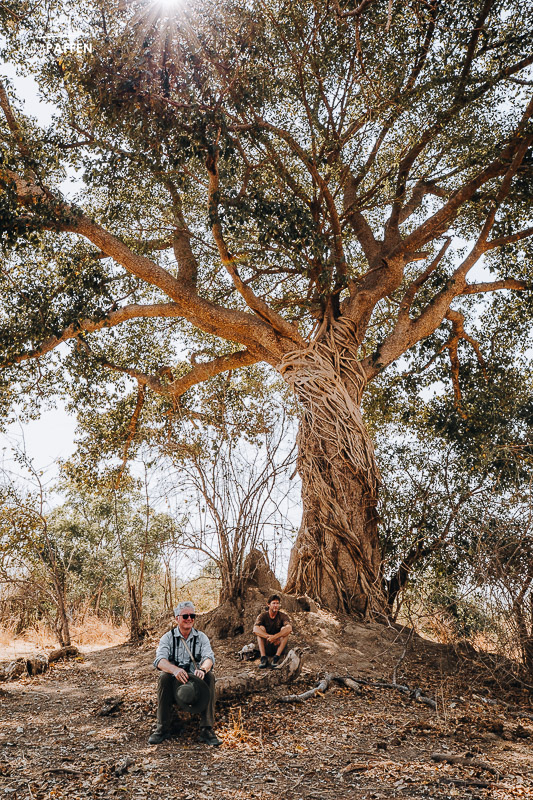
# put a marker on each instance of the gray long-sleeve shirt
(197, 642)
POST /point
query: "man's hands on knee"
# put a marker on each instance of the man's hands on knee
(181, 676)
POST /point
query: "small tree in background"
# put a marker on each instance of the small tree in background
(34, 556)
(501, 564)
(118, 510)
(458, 543)
(235, 496)
(95, 548)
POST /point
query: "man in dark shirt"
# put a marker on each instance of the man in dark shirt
(272, 629)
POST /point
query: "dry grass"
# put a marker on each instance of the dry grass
(234, 733)
(36, 639)
(93, 634)
(98, 632)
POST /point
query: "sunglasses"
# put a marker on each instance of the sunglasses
(188, 616)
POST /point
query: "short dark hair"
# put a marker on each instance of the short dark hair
(274, 597)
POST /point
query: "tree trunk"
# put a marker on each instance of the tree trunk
(98, 600)
(137, 631)
(336, 558)
(62, 626)
(525, 631)
(231, 590)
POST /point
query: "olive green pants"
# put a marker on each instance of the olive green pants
(165, 701)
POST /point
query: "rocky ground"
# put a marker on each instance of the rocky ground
(54, 742)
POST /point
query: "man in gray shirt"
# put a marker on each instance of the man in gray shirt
(184, 654)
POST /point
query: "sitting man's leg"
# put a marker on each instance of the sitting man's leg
(263, 645)
(165, 699)
(207, 717)
(266, 649)
(280, 647)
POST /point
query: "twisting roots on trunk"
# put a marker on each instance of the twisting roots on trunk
(336, 557)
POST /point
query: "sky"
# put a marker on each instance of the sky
(52, 436)
(45, 440)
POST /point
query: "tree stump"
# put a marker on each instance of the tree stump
(11, 670)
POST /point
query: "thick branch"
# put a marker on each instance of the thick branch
(494, 286)
(181, 241)
(340, 259)
(361, 228)
(111, 319)
(403, 315)
(12, 123)
(483, 14)
(132, 428)
(420, 190)
(201, 372)
(439, 222)
(356, 12)
(452, 345)
(176, 388)
(257, 305)
(513, 237)
(407, 332)
(230, 324)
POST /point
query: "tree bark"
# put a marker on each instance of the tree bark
(62, 626)
(336, 559)
(136, 628)
(525, 631)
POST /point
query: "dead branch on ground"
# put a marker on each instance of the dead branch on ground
(464, 761)
(355, 684)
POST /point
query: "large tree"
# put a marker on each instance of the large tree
(310, 185)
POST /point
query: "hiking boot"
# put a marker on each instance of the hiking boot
(275, 661)
(209, 736)
(159, 736)
(263, 664)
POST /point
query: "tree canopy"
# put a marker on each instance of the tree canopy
(322, 187)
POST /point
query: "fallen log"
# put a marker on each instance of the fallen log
(321, 687)
(349, 683)
(11, 670)
(63, 652)
(355, 684)
(513, 711)
(252, 681)
(34, 664)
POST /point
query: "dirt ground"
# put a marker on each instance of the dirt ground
(53, 743)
